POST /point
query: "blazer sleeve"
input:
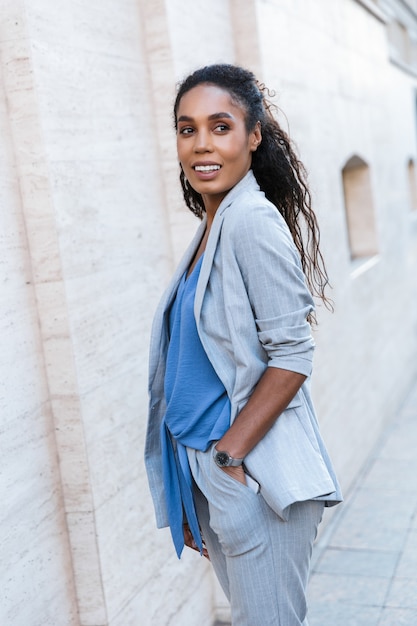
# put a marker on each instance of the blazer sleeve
(275, 284)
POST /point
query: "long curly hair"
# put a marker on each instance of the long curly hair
(277, 169)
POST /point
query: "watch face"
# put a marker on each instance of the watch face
(222, 459)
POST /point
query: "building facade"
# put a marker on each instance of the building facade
(91, 227)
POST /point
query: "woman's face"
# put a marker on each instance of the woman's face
(214, 147)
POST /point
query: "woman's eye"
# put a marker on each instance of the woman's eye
(186, 130)
(221, 128)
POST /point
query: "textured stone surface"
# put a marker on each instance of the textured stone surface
(36, 582)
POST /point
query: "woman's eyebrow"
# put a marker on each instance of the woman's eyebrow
(221, 115)
(213, 116)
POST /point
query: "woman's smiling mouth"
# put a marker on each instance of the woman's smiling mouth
(206, 168)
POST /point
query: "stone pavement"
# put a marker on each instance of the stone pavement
(364, 570)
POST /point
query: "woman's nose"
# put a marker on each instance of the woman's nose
(203, 142)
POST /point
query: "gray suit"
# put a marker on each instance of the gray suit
(251, 306)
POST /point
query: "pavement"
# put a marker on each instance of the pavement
(364, 568)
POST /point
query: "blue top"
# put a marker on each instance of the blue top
(198, 409)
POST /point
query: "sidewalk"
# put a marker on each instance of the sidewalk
(365, 564)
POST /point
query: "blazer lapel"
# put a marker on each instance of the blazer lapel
(183, 266)
(159, 334)
(248, 181)
(207, 263)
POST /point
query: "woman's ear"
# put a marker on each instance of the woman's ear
(255, 137)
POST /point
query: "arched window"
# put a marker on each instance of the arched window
(412, 183)
(359, 206)
(401, 47)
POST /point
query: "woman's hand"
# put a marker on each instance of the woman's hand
(237, 473)
(190, 543)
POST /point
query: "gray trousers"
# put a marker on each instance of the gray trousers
(262, 562)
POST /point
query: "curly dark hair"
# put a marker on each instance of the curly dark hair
(277, 169)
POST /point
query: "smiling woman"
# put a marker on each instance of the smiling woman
(214, 148)
(236, 463)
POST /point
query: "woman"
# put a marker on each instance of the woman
(236, 464)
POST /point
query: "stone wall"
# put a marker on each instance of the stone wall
(91, 226)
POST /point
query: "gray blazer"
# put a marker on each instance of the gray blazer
(251, 306)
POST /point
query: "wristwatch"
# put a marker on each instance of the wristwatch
(223, 459)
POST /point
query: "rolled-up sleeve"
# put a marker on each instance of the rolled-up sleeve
(288, 342)
(281, 302)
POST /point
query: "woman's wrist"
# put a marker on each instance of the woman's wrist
(231, 448)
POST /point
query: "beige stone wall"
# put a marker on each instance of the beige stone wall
(36, 572)
(91, 226)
